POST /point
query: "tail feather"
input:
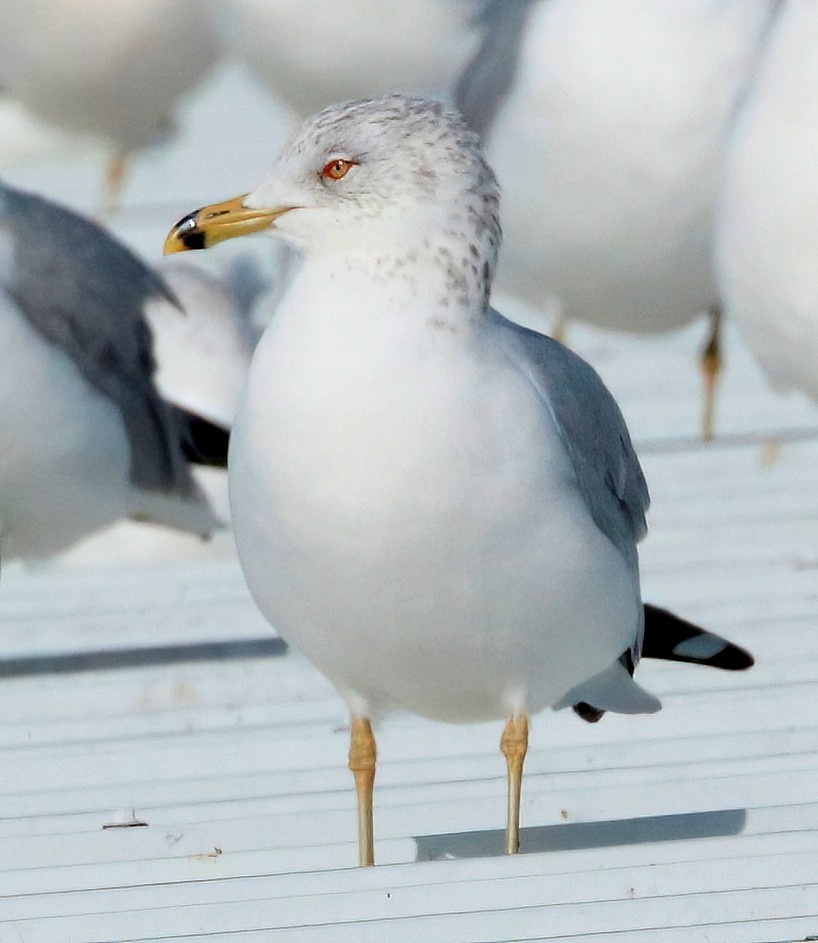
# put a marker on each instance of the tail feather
(669, 638)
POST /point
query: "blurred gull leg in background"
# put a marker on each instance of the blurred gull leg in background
(112, 71)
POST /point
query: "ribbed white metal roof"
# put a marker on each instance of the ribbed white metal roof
(696, 824)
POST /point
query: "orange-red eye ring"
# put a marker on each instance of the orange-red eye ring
(338, 168)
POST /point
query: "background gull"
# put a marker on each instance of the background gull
(85, 438)
(110, 70)
(606, 125)
(440, 508)
(24, 137)
(310, 59)
(202, 360)
(768, 221)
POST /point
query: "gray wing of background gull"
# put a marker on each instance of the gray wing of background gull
(85, 293)
(489, 77)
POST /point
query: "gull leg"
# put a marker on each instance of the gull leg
(514, 745)
(711, 363)
(559, 331)
(362, 755)
(113, 184)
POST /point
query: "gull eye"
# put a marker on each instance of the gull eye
(338, 168)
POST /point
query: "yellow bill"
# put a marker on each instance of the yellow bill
(204, 227)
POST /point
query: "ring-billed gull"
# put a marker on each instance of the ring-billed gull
(85, 438)
(768, 221)
(440, 508)
(110, 70)
(606, 126)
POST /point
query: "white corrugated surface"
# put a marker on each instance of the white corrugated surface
(701, 821)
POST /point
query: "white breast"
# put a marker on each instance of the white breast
(405, 515)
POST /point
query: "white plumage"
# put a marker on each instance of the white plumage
(50, 490)
(439, 507)
(404, 504)
(368, 439)
(768, 222)
(608, 151)
(85, 438)
(111, 70)
(311, 57)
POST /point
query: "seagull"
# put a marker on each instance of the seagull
(606, 122)
(309, 59)
(768, 221)
(113, 71)
(440, 508)
(202, 359)
(85, 438)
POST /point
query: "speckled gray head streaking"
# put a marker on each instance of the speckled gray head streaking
(419, 170)
(85, 292)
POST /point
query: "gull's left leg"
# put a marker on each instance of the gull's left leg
(514, 745)
(711, 361)
(362, 756)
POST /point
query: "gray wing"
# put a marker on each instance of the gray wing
(84, 292)
(488, 78)
(591, 428)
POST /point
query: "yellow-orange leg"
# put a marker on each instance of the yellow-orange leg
(113, 184)
(711, 368)
(514, 744)
(559, 329)
(362, 756)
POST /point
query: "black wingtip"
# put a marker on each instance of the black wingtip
(203, 442)
(670, 638)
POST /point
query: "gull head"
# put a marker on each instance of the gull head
(362, 176)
